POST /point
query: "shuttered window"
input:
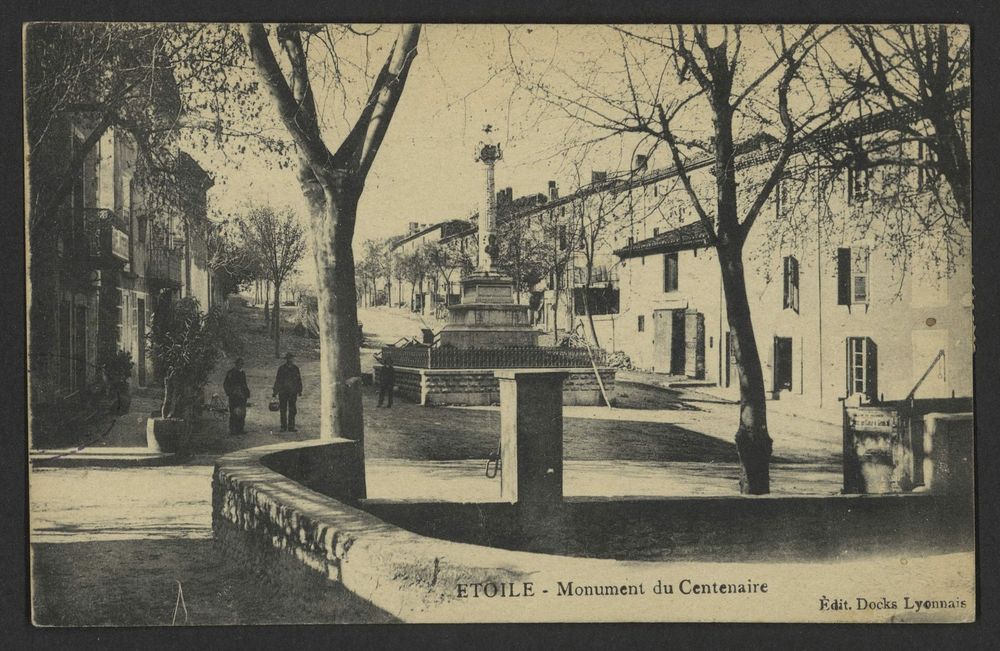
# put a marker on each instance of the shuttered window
(862, 367)
(853, 285)
(670, 272)
(791, 284)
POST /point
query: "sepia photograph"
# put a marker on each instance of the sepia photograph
(339, 323)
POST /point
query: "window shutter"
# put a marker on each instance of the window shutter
(795, 284)
(871, 370)
(787, 298)
(843, 276)
(847, 367)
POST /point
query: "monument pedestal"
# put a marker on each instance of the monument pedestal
(488, 317)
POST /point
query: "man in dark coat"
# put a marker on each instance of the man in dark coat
(235, 386)
(387, 381)
(288, 387)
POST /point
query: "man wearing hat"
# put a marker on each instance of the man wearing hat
(288, 387)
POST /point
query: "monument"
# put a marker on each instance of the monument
(489, 331)
(487, 316)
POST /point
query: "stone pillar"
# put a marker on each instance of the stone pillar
(531, 435)
(488, 155)
(948, 453)
(487, 216)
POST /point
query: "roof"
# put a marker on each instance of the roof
(686, 237)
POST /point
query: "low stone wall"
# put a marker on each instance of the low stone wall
(263, 515)
(480, 387)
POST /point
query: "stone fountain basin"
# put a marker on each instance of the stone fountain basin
(419, 560)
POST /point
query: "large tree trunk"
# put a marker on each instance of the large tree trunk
(753, 443)
(332, 215)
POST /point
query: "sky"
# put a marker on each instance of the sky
(425, 170)
(460, 81)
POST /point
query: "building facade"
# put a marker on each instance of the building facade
(102, 258)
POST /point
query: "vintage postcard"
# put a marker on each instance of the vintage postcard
(340, 323)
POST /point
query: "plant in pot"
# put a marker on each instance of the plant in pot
(185, 344)
(117, 373)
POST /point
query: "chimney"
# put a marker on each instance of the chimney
(510, 195)
(641, 162)
(414, 227)
(553, 191)
(598, 177)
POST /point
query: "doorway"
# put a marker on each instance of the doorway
(782, 364)
(668, 341)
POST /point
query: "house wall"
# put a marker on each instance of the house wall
(912, 311)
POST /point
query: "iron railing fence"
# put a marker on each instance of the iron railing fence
(417, 356)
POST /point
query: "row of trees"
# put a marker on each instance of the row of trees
(261, 245)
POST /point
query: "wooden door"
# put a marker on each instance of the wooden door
(663, 325)
(678, 344)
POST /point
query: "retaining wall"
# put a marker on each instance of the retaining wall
(262, 514)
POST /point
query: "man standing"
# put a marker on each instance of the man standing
(235, 386)
(387, 381)
(288, 387)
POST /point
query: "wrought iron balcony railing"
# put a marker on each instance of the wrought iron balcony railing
(164, 265)
(98, 238)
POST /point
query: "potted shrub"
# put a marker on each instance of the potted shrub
(185, 344)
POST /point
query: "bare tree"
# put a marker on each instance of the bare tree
(332, 182)
(561, 246)
(667, 81)
(596, 214)
(922, 70)
(443, 259)
(523, 254)
(277, 242)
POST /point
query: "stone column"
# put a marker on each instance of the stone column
(531, 435)
(488, 155)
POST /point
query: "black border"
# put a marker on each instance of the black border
(17, 632)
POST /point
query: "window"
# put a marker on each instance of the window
(862, 367)
(670, 272)
(656, 231)
(641, 325)
(562, 237)
(852, 276)
(600, 300)
(857, 185)
(122, 310)
(925, 169)
(780, 197)
(791, 283)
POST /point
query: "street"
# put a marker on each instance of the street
(127, 537)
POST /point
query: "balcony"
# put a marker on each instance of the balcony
(99, 239)
(164, 266)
